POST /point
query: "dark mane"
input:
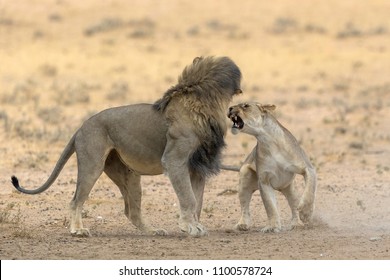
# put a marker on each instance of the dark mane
(204, 89)
(206, 78)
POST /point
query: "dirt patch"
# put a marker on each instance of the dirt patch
(64, 61)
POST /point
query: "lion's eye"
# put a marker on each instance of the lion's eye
(246, 106)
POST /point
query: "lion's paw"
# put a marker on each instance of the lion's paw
(305, 212)
(160, 232)
(150, 230)
(195, 230)
(294, 223)
(241, 227)
(269, 229)
(82, 232)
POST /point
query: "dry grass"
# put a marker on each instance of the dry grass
(12, 218)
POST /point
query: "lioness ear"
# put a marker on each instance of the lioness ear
(266, 108)
(269, 107)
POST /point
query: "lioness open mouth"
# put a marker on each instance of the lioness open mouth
(238, 123)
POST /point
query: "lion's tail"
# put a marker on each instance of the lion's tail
(66, 154)
(230, 168)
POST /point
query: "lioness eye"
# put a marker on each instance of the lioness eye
(246, 106)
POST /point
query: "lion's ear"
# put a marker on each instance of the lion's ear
(197, 59)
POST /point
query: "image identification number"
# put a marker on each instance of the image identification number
(242, 270)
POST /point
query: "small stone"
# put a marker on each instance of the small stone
(376, 238)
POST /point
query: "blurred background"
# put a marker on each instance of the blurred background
(325, 64)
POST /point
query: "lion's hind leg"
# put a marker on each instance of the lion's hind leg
(87, 177)
(129, 185)
(92, 149)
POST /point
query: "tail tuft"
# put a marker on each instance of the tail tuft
(15, 182)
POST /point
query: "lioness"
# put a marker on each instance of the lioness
(182, 134)
(272, 165)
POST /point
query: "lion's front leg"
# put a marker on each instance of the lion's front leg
(198, 183)
(175, 162)
(190, 208)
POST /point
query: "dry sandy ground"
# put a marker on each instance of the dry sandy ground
(325, 64)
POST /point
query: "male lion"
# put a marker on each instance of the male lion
(182, 134)
(272, 165)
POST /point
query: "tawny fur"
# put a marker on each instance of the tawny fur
(175, 136)
(272, 165)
